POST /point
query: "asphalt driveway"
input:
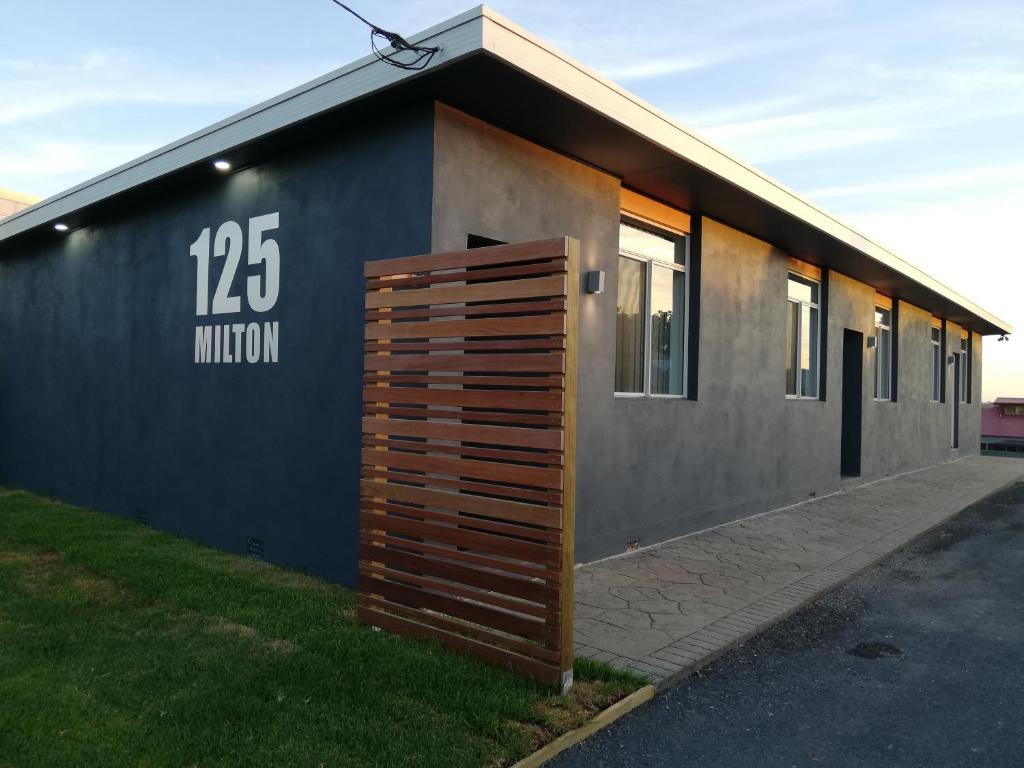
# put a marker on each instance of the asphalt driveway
(918, 662)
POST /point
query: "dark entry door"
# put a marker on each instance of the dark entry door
(958, 360)
(853, 382)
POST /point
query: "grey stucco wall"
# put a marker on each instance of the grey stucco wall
(102, 404)
(492, 184)
(653, 469)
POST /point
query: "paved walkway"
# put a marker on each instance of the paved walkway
(669, 610)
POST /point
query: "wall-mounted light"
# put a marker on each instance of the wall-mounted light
(871, 342)
(594, 281)
(1003, 337)
(222, 165)
(61, 226)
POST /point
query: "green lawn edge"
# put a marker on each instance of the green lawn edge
(124, 645)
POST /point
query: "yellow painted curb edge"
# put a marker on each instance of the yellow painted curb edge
(596, 723)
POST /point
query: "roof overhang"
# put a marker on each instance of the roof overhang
(499, 72)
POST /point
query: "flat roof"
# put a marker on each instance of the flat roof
(573, 110)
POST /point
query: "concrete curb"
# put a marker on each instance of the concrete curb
(705, 646)
(596, 723)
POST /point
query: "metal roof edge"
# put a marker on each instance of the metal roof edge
(522, 49)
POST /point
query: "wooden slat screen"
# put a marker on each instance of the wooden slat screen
(468, 453)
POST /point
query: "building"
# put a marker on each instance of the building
(190, 350)
(12, 202)
(1002, 427)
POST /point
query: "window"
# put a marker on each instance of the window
(803, 328)
(963, 369)
(883, 353)
(1013, 410)
(936, 365)
(650, 339)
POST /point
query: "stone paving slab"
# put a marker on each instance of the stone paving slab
(668, 610)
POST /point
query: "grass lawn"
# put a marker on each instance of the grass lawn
(120, 645)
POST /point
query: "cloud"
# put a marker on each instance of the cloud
(46, 166)
(658, 67)
(32, 89)
(666, 63)
(650, 39)
(846, 103)
(43, 149)
(782, 137)
(928, 182)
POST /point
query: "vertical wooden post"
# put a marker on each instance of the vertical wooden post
(567, 597)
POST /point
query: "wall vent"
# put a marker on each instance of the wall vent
(254, 548)
(142, 516)
(633, 545)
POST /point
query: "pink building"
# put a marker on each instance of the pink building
(1002, 427)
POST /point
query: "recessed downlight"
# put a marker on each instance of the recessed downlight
(222, 165)
(61, 226)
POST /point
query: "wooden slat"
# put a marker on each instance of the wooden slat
(534, 325)
(539, 670)
(471, 452)
(513, 586)
(521, 307)
(466, 398)
(493, 471)
(527, 363)
(402, 345)
(503, 290)
(411, 281)
(543, 439)
(467, 487)
(488, 598)
(470, 522)
(478, 614)
(547, 575)
(467, 416)
(477, 257)
(505, 382)
(477, 633)
(461, 502)
(479, 487)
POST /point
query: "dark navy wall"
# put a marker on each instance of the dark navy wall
(102, 404)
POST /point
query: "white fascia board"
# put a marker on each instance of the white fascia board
(528, 53)
(457, 37)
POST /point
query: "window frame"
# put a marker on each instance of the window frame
(799, 335)
(935, 340)
(878, 368)
(680, 239)
(963, 369)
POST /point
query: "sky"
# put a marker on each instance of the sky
(904, 119)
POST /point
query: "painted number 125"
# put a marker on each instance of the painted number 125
(261, 291)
